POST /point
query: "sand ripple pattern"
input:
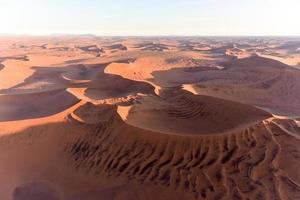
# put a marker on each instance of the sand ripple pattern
(241, 165)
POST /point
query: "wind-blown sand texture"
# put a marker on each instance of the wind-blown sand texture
(172, 118)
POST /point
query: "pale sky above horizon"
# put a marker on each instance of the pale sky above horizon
(152, 17)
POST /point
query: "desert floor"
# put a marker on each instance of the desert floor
(136, 118)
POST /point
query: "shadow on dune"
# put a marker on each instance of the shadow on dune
(35, 191)
(52, 97)
(35, 105)
(76, 61)
(152, 47)
(71, 75)
(106, 86)
(179, 112)
(116, 47)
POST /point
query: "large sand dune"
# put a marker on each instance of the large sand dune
(86, 118)
(95, 153)
(179, 112)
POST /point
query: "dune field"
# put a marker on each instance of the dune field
(143, 118)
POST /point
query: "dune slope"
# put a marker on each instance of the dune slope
(95, 146)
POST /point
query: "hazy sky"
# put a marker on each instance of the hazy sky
(152, 17)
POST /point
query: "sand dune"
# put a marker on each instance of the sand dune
(249, 163)
(149, 118)
(18, 107)
(185, 114)
(8, 75)
(257, 81)
(142, 68)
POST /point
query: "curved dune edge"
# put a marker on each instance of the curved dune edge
(254, 80)
(13, 127)
(293, 60)
(74, 81)
(282, 112)
(249, 163)
(190, 88)
(245, 163)
(182, 113)
(35, 105)
(8, 75)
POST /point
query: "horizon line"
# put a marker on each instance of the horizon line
(154, 35)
